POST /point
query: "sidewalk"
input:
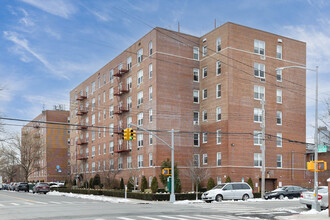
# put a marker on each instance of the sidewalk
(313, 215)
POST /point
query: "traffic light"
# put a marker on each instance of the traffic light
(132, 134)
(125, 134)
(320, 166)
(167, 171)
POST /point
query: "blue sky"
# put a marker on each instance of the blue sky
(49, 47)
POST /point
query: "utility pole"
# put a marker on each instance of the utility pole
(263, 147)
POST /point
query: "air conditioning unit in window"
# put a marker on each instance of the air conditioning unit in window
(262, 57)
(262, 79)
(195, 122)
(138, 106)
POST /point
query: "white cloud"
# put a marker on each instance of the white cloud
(59, 8)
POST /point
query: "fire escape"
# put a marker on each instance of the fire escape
(82, 141)
(121, 108)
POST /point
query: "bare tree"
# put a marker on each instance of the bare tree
(8, 164)
(110, 175)
(133, 177)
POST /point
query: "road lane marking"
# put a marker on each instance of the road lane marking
(14, 203)
(28, 203)
(54, 202)
(124, 218)
(149, 218)
(2, 205)
(185, 216)
(28, 200)
(41, 202)
(171, 217)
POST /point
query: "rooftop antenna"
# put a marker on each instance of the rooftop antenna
(215, 23)
(178, 26)
(43, 107)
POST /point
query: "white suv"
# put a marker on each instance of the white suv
(225, 191)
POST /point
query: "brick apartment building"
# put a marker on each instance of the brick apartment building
(208, 89)
(54, 145)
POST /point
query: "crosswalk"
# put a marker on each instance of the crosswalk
(184, 217)
(38, 203)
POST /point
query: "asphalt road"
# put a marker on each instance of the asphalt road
(21, 206)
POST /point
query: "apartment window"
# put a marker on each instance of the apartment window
(218, 159)
(204, 159)
(279, 52)
(218, 113)
(93, 136)
(196, 118)
(204, 115)
(93, 119)
(279, 75)
(279, 140)
(111, 164)
(259, 47)
(257, 160)
(93, 167)
(204, 72)
(104, 114)
(139, 56)
(140, 118)
(150, 160)
(129, 162)
(196, 139)
(204, 137)
(139, 77)
(218, 44)
(129, 121)
(93, 151)
(259, 70)
(140, 161)
(111, 93)
(99, 82)
(257, 115)
(99, 165)
(129, 103)
(150, 115)
(218, 91)
(120, 163)
(219, 136)
(87, 152)
(279, 160)
(104, 80)
(111, 76)
(150, 48)
(87, 168)
(204, 50)
(150, 93)
(279, 96)
(99, 117)
(196, 160)
(93, 104)
(111, 147)
(204, 94)
(140, 98)
(150, 71)
(111, 111)
(129, 63)
(99, 149)
(196, 53)
(150, 139)
(93, 87)
(218, 68)
(259, 92)
(196, 96)
(129, 83)
(140, 140)
(111, 129)
(257, 137)
(196, 75)
(86, 90)
(279, 118)
(104, 149)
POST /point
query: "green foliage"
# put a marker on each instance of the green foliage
(210, 183)
(91, 183)
(144, 183)
(177, 183)
(97, 180)
(163, 178)
(154, 185)
(74, 182)
(121, 185)
(130, 185)
(228, 180)
(250, 182)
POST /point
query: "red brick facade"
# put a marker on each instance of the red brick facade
(173, 84)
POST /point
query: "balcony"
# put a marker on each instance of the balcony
(122, 150)
(120, 72)
(82, 112)
(82, 142)
(36, 135)
(81, 97)
(121, 91)
(121, 110)
(82, 127)
(82, 158)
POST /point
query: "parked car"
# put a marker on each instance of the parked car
(285, 191)
(1, 186)
(13, 186)
(41, 188)
(307, 198)
(5, 186)
(225, 191)
(22, 187)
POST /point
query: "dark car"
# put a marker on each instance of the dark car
(5, 186)
(41, 188)
(22, 187)
(285, 191)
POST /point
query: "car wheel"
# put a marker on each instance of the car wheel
(281, 197)
(45, 192)
(218, 198)
(309, 206)
(245, 197)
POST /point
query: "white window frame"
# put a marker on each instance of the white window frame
(196, 95)
(139, 56)
(219, 136)
(111, 93)
(204, 159)
(259, 92)
(257, 160)
(139, 140)
(140, 119)
(204, 137)
(111, 111)
(129, 162)
(150, 160)
(257, 138)
(279, 96)
(279, 75)
(139, 77)
(194, 121)
(204, 72)
(150, 93)
(218, 44)
(218, 113)
(259, 47)
(218, 90)
(204, 50)
(196, 53)
(129, 83)
(150, 139)
(140, 161)
(196, 75)
(196, 160)
(279, 117)
(279, 52)
(257, 114)
(279, 141)
(218, 68)
(111, 76)
(129, 63)
(150, 70)
(279, 159)
(204, 115)
(140, 98)
(150, 115)
(196, 138)
(259, 70)
(204, 94)
(150, 48)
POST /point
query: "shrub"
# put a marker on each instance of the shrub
(144, 183)
(130, 185)
(250, 182)
(74, 182)
(91, 183)
(228, 180)
(210, 183)
(154, 185)
(121, 185)
(97, 180)
(177, 183)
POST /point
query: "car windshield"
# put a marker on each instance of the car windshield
(279, 189)
(43, 184)
(220, 186)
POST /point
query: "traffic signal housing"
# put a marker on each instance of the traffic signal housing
(320, 166)
(132, 134)
(167, 171)
(129, 134)
(125, 134)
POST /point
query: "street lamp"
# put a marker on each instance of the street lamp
(315, 204)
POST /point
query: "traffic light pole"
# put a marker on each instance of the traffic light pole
(172, 196)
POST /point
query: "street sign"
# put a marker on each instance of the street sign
(57, 166)
(322, 148)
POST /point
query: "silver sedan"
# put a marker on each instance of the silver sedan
(307, 198)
